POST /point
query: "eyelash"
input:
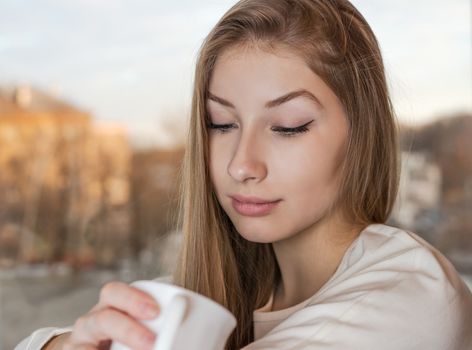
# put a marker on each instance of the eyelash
(287, 132)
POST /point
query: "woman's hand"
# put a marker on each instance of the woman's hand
(115, 318)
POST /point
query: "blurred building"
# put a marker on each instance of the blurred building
(419, 195)
(154, 188)
(447, 143)
(64, 180)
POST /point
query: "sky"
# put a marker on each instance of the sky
(132, 61)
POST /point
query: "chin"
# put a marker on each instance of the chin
(257, 238)
(252, 234)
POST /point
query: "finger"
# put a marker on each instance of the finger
(71, 346)
(103, 345)
(124, 297)
(111, 324)
(82, 347)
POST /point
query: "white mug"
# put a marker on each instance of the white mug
(187, 320)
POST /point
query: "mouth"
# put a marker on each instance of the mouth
(254, 209)
(252, 199)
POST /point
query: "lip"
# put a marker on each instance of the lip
(253, 209)
(252, 200)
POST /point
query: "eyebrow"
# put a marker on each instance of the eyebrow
(274, 103)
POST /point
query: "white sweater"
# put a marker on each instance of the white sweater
(392, 291)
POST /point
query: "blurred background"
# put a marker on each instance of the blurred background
(94, 100)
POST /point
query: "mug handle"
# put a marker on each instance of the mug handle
(173, 317)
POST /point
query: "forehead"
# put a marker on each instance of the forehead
(244, 75)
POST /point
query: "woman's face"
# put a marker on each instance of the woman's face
(252, 156)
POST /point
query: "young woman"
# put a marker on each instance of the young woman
(290, 174)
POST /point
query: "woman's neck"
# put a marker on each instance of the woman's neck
(308, 260)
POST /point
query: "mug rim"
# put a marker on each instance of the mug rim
(185, 291)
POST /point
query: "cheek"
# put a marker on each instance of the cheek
(308, 182)
(308, 176)
(309, 163)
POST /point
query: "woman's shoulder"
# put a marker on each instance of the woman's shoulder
(396, 283)
(400, 315)
(383, 250)
(395, 291)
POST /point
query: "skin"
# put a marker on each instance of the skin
(252, 159)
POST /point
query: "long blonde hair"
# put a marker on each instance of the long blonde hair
(338, 45)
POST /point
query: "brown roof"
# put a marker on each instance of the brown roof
(29, 99)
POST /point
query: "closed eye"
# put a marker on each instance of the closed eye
(224, 128)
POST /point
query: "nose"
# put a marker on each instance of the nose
(248, 160)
